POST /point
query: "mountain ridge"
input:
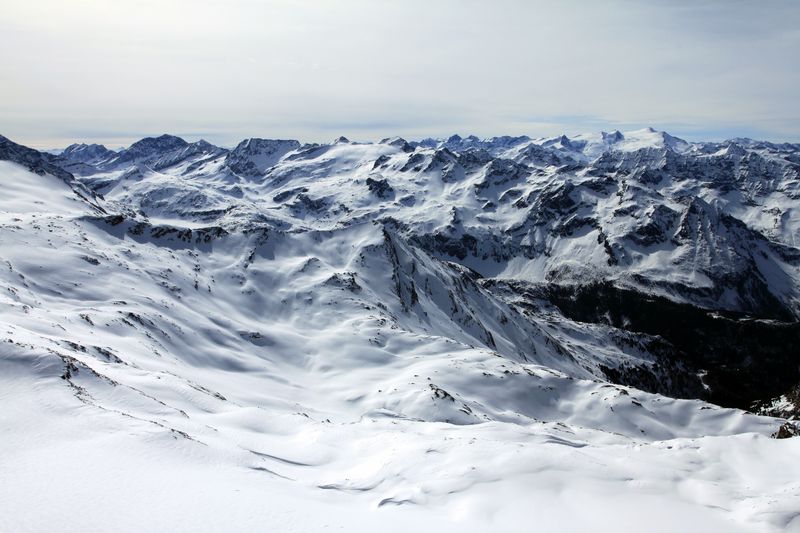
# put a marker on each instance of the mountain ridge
(642, 210)
(401, 332)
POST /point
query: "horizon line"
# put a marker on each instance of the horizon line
(123, 141)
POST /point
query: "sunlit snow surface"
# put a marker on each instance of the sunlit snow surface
(289, 381)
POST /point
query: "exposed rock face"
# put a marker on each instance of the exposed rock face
(380, 188)
(787, 431)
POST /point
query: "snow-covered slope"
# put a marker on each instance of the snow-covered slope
(295, 337)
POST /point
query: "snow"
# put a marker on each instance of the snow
(252, 467)
(26, 194)
(296, 365)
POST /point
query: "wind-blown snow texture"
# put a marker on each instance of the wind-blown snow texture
(432, 335)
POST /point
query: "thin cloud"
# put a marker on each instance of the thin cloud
(371, 69)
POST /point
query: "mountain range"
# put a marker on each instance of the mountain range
(453, 326)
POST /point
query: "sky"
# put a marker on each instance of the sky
(113, 71)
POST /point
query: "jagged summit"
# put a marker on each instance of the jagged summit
(204, 145)
(86, 151)
(151, 145)
(253, 157)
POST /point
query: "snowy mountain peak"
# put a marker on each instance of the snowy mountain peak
(85, 158)
(650, 138)
(398, 142)
(461, 143)
(205, 146)
(253, 157)
(149, 148)
(586, 147)
(86, 152)
(507, 141)
(162, 143)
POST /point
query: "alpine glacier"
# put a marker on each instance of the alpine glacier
(596, 333)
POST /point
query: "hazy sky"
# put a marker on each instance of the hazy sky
(113, 71)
